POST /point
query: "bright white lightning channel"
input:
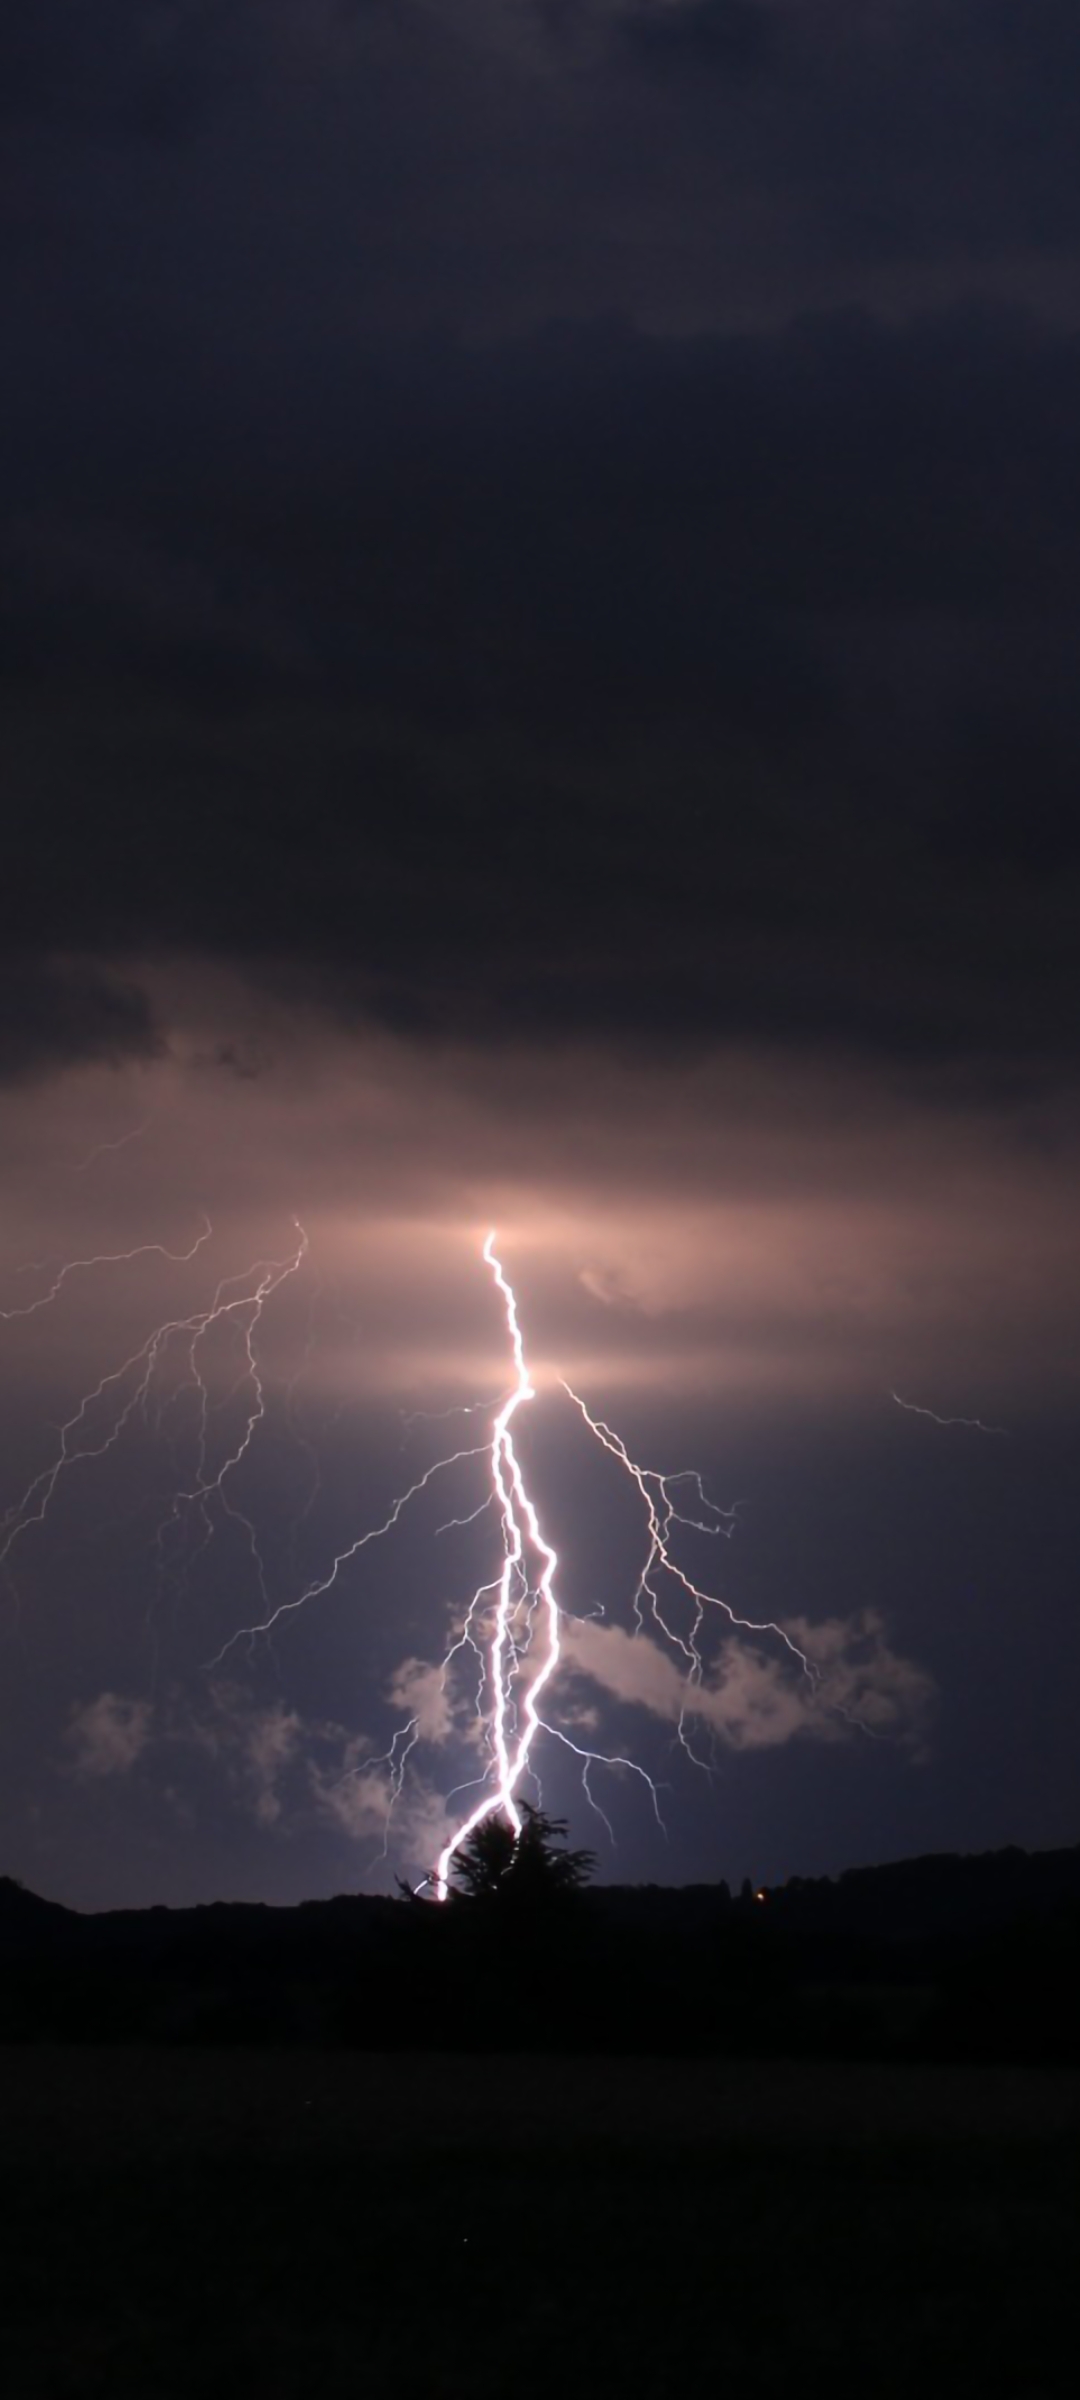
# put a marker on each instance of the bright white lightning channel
(521, 1531)
(513, 1624)
(513, 1730)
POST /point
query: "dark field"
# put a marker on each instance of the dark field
(296, 2222)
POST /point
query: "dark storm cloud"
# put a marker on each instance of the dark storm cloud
(909, 128)
(407, 165)
(719, 687)
(56, 1016)
(120, 71)
(599, 676)
(701, 34)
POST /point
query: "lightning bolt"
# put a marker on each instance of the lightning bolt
(246, 1313)
(972, 1424)
(102, 1149)
(126, 1390)
(511, 1739)
(661, 1570)
(344, 1558)
(513, 1624)
(514, 1718)
(113, 1258)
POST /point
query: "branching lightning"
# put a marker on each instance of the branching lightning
(113, 1258)
(245, 1312)
(512, 1631)
(513, 1623)
(661, 1570)
(344, 1558)
(105, 1411)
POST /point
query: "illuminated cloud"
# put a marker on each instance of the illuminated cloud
(359, 1801)
(256, 1745)
(421, 1692)
(109, 1735)
(269, 1745)
(608, 1286)
(754, 1701)
(354, 1796)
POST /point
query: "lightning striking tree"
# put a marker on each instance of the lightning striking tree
(530, 1867)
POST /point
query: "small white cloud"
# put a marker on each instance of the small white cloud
(268, 1744)
(255, 1746)
(109, 1735)
(357, 1800)
(609, 1286)
(419, 1690)
(438, 1711)
(413, 1823)
(756, 1701)
(864, 1677)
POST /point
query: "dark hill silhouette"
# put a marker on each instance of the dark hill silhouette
(942, 1955)
(941, 1894)
(29, 1924)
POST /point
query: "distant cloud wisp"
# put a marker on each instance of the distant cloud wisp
(108, 1736)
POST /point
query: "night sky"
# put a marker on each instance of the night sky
(541, 568)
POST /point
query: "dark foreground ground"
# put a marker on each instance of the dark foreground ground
(233, 2222)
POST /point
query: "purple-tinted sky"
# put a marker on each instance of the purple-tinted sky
(541, 555)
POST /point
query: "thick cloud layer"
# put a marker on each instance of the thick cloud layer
(552, 523)
(711, 690)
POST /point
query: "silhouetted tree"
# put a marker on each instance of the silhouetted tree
(534, 1865)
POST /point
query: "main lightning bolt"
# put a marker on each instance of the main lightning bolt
(511, 1741)
(512, 1626)
(515, 1720)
